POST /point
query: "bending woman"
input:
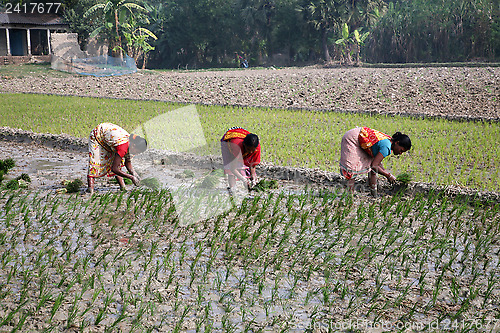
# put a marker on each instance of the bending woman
(362, 151)
(110, 148)
(240, 155)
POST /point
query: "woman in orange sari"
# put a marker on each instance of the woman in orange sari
(110, 148)
(240, 155)
(362, 150)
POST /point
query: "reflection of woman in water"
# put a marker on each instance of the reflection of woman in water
(110, 148)
(362, 151)
(240, 155)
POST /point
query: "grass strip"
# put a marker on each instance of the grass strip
(445, 152)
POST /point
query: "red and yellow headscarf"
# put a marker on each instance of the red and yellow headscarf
(235, 132)
(368, 137)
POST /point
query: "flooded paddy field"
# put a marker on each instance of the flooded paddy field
(301, 258)
(304, 257)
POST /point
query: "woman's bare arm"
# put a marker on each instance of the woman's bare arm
(379, 168)
(117, 170)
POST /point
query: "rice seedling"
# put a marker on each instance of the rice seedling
(431, 156)
(264, 253)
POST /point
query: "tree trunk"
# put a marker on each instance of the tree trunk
(118, 36)
(357, 51)
(324, 41)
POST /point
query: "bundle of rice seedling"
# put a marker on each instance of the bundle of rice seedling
(74, 186)
(126, 180)
(217, 172)
(17, 183)
(404, 178)
(188, 173)
(7, 164)
(185, 174)
(210, 182)
(13, 184)
(264, 185)
(25, 177)
(152, 183)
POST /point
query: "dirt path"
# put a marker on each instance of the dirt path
(448, 92)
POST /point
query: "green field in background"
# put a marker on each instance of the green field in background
(444, 152)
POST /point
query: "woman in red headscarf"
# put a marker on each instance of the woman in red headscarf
(240, 155)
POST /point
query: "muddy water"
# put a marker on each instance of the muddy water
(49, 167)
(46, 167)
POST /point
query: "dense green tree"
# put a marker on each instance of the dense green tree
(291, 35)
(193, 33)
(256, 16)
(436, 31)
(329, 16)
(325, 16)
(72, 14)
(209, 33)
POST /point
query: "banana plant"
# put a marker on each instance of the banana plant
(137, 40)
(350, 44)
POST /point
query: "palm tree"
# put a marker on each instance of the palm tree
(113, 16)
(325, 16)
(257, 16)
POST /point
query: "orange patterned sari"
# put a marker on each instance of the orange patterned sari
(103, 141)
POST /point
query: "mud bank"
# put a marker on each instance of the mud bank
(75, 149)
(59, 141)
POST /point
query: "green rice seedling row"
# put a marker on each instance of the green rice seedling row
(277, 262)
(445, 152)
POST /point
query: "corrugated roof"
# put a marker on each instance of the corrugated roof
(30, 19)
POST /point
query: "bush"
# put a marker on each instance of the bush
(7, 164)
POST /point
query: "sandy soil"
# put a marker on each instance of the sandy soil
(446, 92)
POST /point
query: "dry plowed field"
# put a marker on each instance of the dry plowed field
(448, 91)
